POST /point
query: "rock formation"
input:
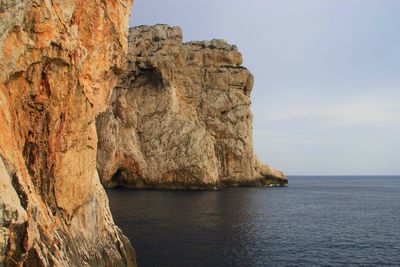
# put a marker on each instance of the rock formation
(58, 63)
(180, 117)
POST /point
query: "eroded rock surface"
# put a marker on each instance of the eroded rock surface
(58, 63)
(180, 117)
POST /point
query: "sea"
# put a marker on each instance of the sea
(315, 221)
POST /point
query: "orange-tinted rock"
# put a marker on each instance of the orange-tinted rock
(58, 63)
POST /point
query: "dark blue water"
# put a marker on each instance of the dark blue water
(316, 221)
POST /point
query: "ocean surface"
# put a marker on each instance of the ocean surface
(315, 221)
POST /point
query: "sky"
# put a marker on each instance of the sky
(326, 98)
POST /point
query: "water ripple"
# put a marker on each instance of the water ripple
(316, 221)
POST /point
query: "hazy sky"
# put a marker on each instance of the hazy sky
(326, 98)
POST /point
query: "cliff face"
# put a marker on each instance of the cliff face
(58, 60)
(180, 117)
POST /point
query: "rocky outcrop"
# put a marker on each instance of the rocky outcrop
(180, 117)
(58, 63)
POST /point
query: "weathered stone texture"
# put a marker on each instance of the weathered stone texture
(58, 63)
(180, 117)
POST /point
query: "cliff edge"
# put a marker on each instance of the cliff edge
(180, 117)
(58, 63)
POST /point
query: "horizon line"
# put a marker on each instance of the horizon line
(327, 175)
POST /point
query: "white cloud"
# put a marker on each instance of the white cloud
(366, 109)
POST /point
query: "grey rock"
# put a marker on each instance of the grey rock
(180, 117)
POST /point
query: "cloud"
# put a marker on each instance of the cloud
(354, 134)
(341, 111)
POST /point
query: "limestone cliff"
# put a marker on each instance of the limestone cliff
(180, 117)
(58, 63)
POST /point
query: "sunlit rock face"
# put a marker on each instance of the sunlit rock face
(180, 117)
(58, 63)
